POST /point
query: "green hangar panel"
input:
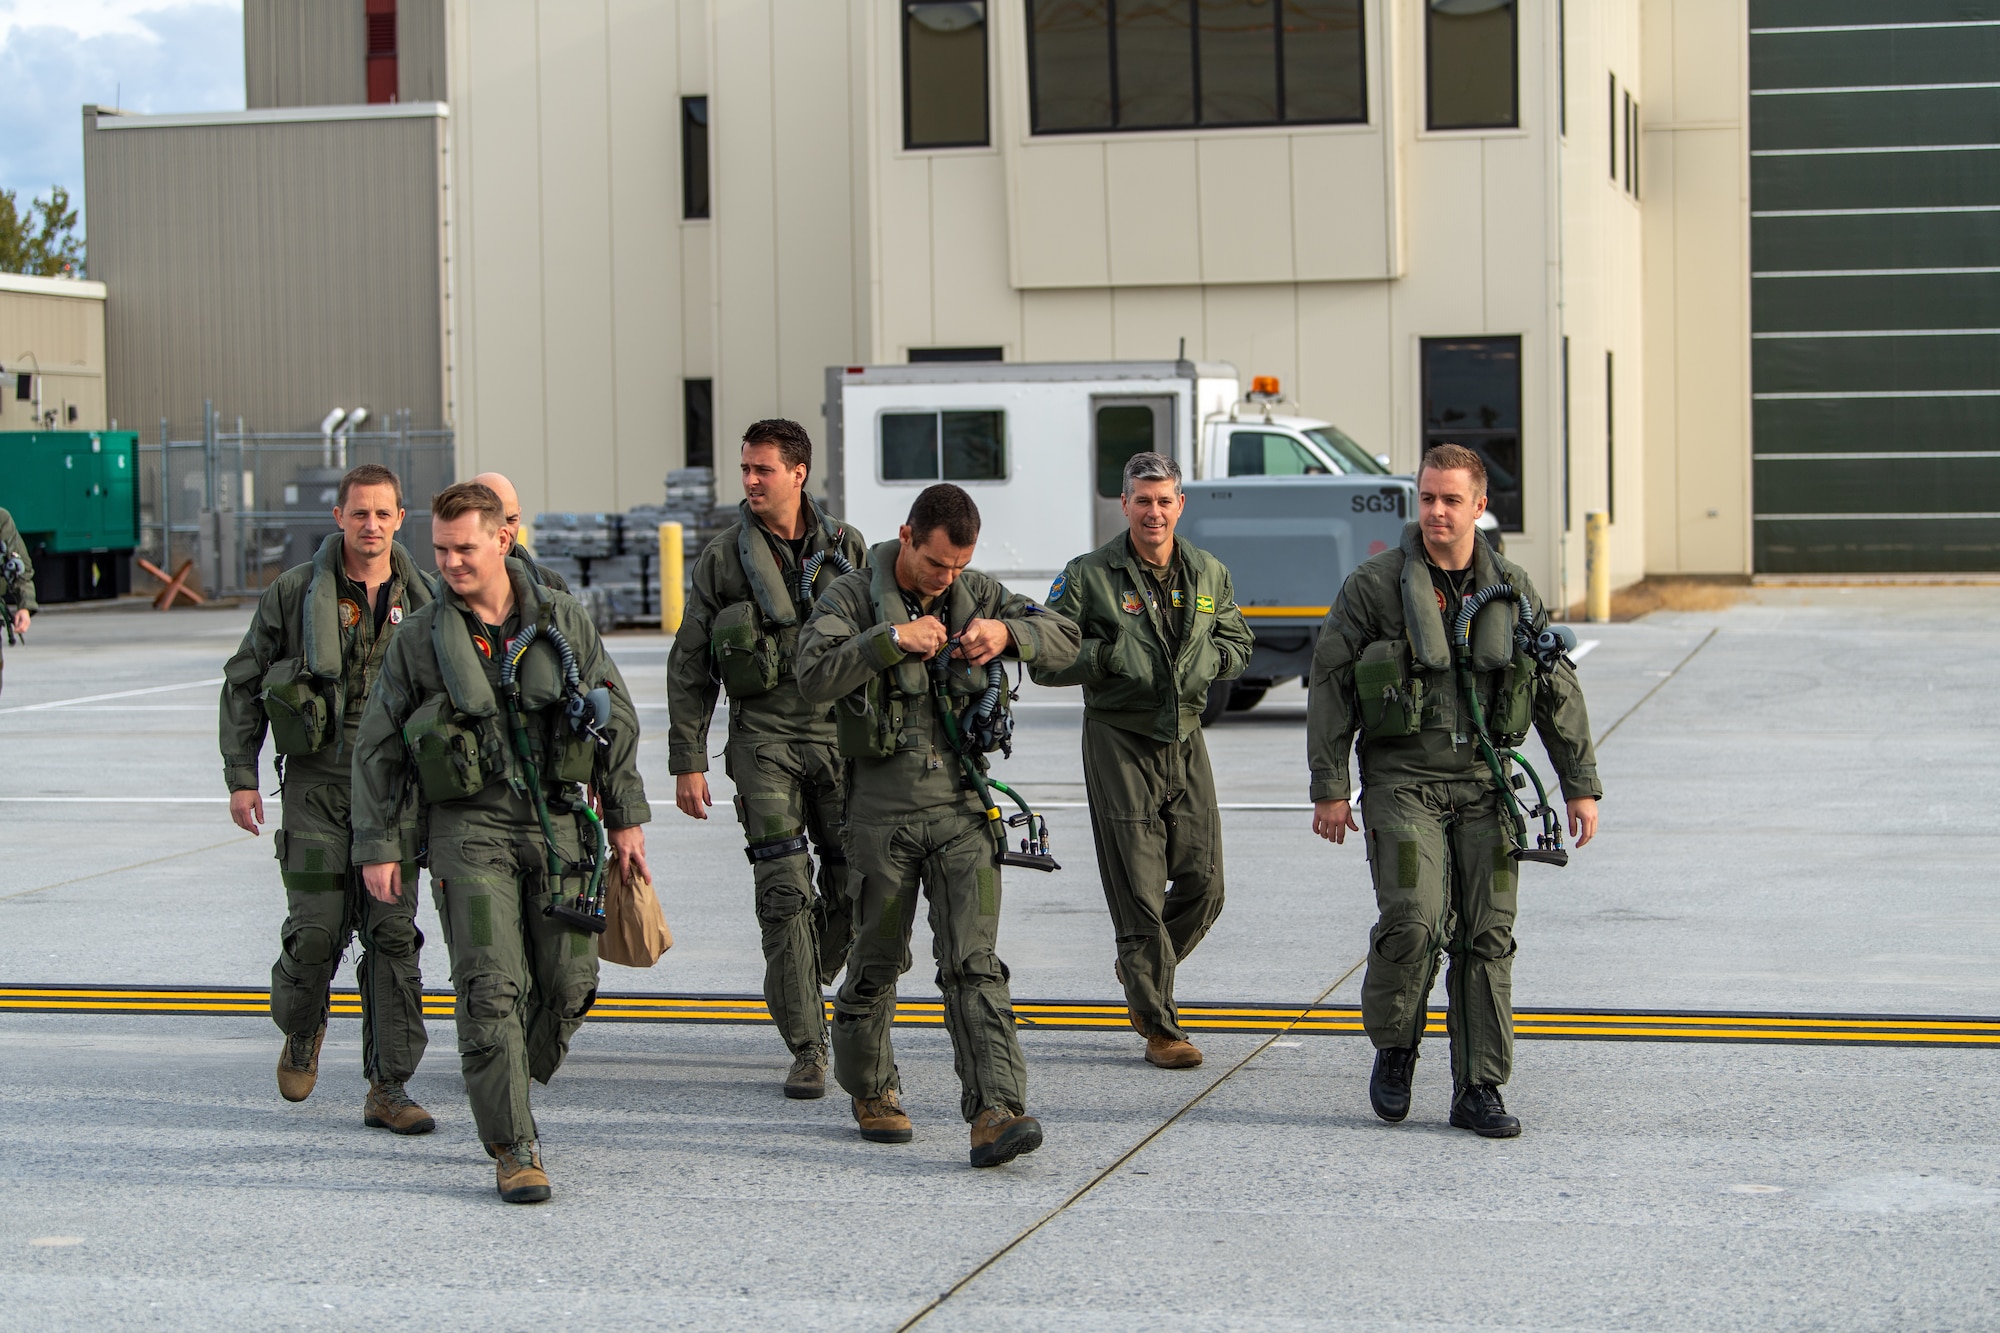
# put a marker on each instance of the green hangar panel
(1875, 284)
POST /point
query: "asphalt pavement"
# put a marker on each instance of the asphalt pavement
(1799, 820)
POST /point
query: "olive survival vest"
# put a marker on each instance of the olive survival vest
(302, 695)
(458, 739)
(870, 723)
(1408, 685)
(752, 643)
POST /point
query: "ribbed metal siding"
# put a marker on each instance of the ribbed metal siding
(278, 269)
(1875, 288)
(305, 53)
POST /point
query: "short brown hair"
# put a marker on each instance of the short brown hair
(370, 474)
(1455, 458)
(468, 497)
(794, 446)
(944, 506)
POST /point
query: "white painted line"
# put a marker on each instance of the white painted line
(121, 800)
(1226, 805)
(118, 694)
(1583, 648)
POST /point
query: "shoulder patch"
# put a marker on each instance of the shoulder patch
(350, 613)
(1131, 604)
(1056, 588)
(1204, 604)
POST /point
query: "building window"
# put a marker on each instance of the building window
(1471, 74)
(1472, 396)
(1096, 65)
(1611, 124)
(944, 446)
(921, 354)
(1565, 434)
(1562, 67)
(944, 74)
(1631, 146)
(694, 157)
(381, 20)
(1610, 439)
(698, 408)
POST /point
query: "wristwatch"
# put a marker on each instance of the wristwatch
(894, 637)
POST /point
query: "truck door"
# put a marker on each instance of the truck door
(1121, 427)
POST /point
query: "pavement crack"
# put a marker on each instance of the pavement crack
(117, 870)
(955, 1288)
(1657, 688)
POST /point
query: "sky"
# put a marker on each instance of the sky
(142, 55)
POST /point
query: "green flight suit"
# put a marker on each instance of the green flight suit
(523, 980)
(790, 783)
(914, 823)
(1149, 654)
(318, 617)
(17, 586)
(1437, 845)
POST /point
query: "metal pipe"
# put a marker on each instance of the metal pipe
(326, 426)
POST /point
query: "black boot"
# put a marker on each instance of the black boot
(1479, 1109)
(1389, 1085)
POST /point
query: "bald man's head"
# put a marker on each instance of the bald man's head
(510, 502)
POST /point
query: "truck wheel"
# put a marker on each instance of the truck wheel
(1246, 697)
(1218, 701)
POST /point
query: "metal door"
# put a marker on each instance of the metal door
(1119, 428)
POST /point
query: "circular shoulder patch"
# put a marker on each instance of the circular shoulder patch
(1056, 588)
(350, 613)
(395, 615)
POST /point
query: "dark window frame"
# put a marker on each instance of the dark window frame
(1430, 83)
(1562, 68)
(1611, 121)
(925, 355)
(696, 193)
(1194, 56)
(938, 438)
(985, 139)
(1610, 437)
(1565, 434)
(1477, 437)
(698, 423)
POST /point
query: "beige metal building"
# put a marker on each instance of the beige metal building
(51, 354)
(1442, 231)
(278, 262)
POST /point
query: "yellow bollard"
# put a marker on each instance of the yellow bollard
(673, 596)
(1597, 566)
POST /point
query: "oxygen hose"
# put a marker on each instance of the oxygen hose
(810, 569)
(588, 911)
(1548, 846)
(1034, 853)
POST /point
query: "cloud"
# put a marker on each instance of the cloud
(145, 55)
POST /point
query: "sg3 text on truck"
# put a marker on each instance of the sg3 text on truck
(1289, 503)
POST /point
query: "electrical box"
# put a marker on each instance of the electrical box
(74, 490)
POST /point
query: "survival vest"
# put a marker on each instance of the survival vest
(752, 643)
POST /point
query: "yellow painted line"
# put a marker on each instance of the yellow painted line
(1092, 1015)
(1284, 612)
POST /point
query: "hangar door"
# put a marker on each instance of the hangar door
(1875, 284)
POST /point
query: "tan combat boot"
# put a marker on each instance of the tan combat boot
(882, 1119)
(998, 1137)
(518, 1171)
(389, 1107)
(1172, 1053)
(298, 1065)
(807, 1079)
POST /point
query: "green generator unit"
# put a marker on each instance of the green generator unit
(74, 495)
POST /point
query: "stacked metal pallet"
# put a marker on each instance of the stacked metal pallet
(611, 561)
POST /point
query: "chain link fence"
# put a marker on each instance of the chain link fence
(246, 505)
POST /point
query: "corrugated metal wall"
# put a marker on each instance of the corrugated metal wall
(278, 268)
(315, 52)
(1875, 292)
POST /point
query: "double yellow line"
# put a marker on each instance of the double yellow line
(1328, 1020)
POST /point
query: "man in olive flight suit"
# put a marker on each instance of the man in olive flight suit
(450, 705)
(914, 819)
(303, 672)
(510, 522)
(17, 581)
(1438, 844)
(740, 632)
(1160, 624)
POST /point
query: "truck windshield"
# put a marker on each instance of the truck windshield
(1351, 456)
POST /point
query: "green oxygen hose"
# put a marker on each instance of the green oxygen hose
(587, 911)
(1034, 853)
(1548, 847)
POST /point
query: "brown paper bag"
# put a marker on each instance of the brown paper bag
(635, 930)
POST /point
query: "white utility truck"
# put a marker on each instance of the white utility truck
(1042, 447)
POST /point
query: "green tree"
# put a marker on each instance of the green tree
(40, 240)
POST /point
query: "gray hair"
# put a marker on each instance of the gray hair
(1150, 466)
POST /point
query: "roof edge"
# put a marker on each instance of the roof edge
(78, 288)
(110, 118)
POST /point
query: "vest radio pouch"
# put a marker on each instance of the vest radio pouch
(746, 658)
(446, 754)
(301, 721)
(1391, 698)
(868, 722)
(1514, 701)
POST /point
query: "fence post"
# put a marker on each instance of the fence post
(673, 595)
